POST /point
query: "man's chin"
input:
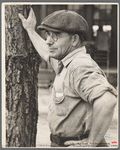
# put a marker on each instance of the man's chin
(54, 56)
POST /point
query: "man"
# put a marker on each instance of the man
(83, 101)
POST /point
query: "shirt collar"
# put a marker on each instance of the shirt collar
(66, 60)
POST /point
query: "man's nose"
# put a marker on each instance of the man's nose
(49, 40)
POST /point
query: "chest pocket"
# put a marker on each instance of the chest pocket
(60, 103)
(61, 106)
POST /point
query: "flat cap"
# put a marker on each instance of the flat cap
(64, 21)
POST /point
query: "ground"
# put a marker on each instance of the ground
(43, 132)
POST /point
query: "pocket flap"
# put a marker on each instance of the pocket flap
(58, 100)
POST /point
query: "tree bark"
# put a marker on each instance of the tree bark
(22, 64)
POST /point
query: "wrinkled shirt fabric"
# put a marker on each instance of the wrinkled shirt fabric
(74, 90)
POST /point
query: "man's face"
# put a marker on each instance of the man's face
(59, 44)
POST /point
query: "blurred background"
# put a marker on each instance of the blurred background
(101, 44)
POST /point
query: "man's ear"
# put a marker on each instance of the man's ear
(75, 40)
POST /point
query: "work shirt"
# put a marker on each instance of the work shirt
(74, 91)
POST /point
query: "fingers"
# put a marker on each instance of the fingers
(71, 142)
(81, 143)
(31, 14)
(21, 17)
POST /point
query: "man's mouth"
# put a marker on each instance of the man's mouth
(52, 49)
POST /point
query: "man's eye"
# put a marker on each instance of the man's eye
(45, 38)
(46, 35)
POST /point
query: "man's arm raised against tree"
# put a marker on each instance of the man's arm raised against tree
(38, 42)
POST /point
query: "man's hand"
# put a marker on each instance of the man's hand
(30, 22)
(81, 143)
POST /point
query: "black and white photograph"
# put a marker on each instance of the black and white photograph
(60, 75)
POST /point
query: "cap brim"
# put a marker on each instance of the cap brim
(44, 27)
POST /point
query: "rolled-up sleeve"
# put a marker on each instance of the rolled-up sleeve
(90, 83)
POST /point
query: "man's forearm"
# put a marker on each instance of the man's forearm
(102, 115)
(39, 44)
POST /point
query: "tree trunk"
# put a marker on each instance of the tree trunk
(22, 64)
